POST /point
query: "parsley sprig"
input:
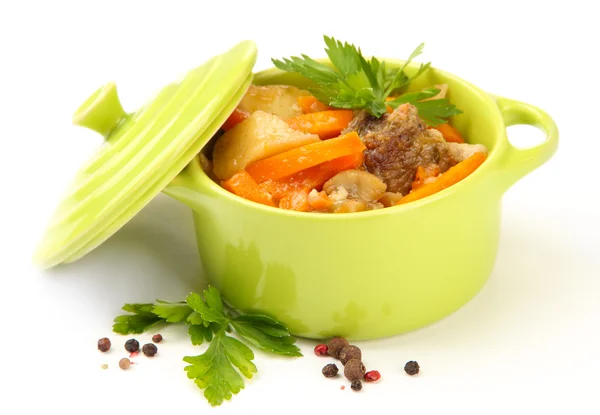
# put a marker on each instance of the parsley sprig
(355, 82)
(220, 368)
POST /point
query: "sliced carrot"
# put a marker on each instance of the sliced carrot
(316, 176)
(319, 200)
(452, 176)
(309, 104)
(280, 188)
(236, 117)
(243, 185)
(313, 177)
(450, 133)
(432, 170)
(300, 158)
(423, 174)
(420, 177)
(297, 200)
(326, 124)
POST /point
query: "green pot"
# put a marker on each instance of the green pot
(363, 275)
(370, 274)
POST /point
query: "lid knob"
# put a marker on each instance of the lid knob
(102, 111)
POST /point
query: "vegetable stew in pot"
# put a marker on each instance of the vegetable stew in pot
(355, 143)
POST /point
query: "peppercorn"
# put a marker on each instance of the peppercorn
(132, 345)
(330, 370)
(350, 352)
(104, 344)
(157, 338)
(149, 349)
(124, 363)
(412, 368)
(321, 350)
(335, 345)
(354, 370)
(372, 376)
(356, 385)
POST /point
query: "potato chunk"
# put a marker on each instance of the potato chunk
(259, 136)
(462, 151)
(280, 100)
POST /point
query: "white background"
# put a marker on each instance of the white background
(528, 343)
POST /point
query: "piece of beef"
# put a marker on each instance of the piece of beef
(397, 144)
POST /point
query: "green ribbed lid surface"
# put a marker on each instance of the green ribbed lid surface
(143, 151)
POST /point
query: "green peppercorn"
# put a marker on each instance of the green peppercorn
(354, 370)
(412, 368)
(348, 353)
(124, 363)
(330, 370)
(356, 385)
(335, 345)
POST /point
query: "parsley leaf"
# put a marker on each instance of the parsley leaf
(400, 79)
(342, 56)
(199, 333)
(209, 320)
(172, 312)
(266, 334)
(357, 83)
(148, 315)
(134, 324)
(432, 112)
(141, 320)
(214, 370)
(140, 309)
(211, 310)
(195, 318)
(313, 70)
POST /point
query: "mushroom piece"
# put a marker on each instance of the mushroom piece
(390, 199)
(358, 184)
(349, 206)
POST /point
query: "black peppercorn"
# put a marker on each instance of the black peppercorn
(354, 370)
(412, 368)
(132, 345)
(350, 352)
(157, 338)
(149, 349)
(335, 345)
(356, 385)
(330, 370)
(104, 344)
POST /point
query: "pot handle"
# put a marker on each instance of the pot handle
(520, 161)
(185, 188)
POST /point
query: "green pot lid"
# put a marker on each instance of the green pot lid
(143, 152)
